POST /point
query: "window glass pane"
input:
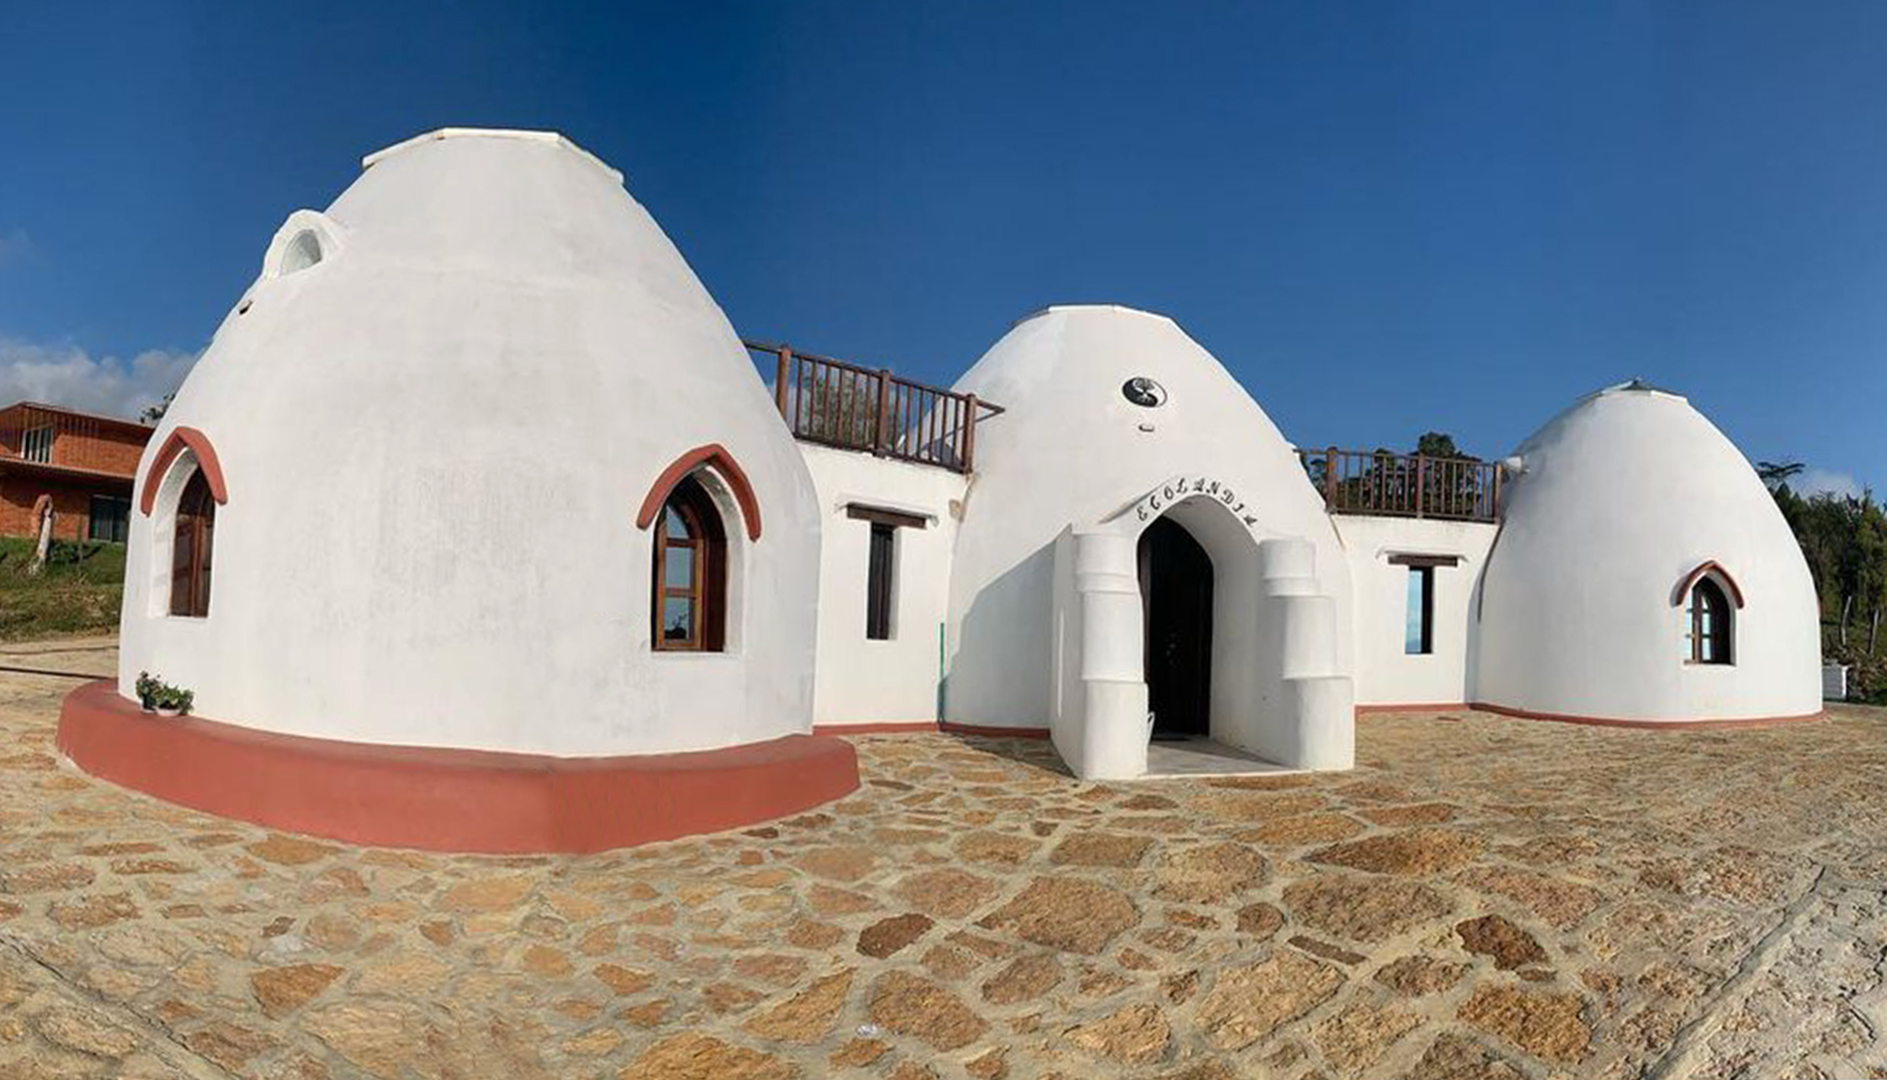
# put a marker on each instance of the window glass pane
(678, 618)
(677, 527)
(678, 566)
(1412, 636)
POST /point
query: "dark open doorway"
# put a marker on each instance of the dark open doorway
(1176, 603)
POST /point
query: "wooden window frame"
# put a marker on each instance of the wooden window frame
(881, 577)
(1723, 633)
(706, 591)
(878, 515)
(193, 549)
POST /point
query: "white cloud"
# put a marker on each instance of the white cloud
(68, 375)
(1813, 481)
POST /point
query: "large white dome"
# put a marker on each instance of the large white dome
(1622, 499)
(437, 412)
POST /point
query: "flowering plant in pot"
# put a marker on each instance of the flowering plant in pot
(160, 697)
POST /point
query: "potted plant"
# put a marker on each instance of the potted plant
(158, 696)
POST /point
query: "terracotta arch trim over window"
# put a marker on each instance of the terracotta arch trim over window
(1684, 587)
(716, 456)
(181, 439)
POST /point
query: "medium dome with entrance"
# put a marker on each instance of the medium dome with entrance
(1114, 418)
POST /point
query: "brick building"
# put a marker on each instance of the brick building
(83, 463)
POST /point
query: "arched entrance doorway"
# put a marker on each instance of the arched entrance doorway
(1176, 606)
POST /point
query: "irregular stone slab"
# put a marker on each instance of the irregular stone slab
(1071, 914)
(920, 1008)
(289, 850)
(1560, 902)
(45, 877)
(623, 980)
(1248, 1003)
(1136, 1035)
(1496, 937)
(92, 912)
(1023, 979)
(847, 863)
(1259, 920)
(1415, 853)
(1301, 829)
(1418, 814)
(1100, 849)
(1546, 1025)
(991, 1064)
(946, 893)
(887, 936)
(87, 1033)
(486, 894)
(1363, 909)
(1208, 873)
(1357, 1037)
(285, 989)
(807, 1016)
(694, 1056)
(1326, 950)
(1456, 1057)
(1417, 976)
(1000, 849)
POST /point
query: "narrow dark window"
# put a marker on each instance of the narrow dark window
(1419, 630)
(109, 519)
(690, 575)
(193, 542)
(880, 578)
(1710, 624)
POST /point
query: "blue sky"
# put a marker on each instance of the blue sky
(1385, 219)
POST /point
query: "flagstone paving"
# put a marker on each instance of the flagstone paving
(1480, 898)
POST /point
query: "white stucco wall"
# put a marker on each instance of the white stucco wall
(1620, 497)
(436, 440)
(1073, 452)
(894, 681)
(1386, 674)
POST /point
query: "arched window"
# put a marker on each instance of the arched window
(190, 551)
(690, 574)
(1710, 623)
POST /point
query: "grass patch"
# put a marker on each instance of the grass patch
(78, 592)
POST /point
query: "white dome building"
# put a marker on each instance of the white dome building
(1129, 464)
(1643, 574)
(432, 452)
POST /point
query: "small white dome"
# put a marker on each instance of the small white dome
(1622, 499)
(437, 411)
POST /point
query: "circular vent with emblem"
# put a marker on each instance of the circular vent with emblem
(1144, 392)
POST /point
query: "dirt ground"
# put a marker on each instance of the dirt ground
(1480, 898)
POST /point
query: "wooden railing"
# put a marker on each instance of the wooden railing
(1397, 485)
(833, 403)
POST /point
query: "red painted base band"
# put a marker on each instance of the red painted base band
(1603, 721)
(992, 732)
(877, 727)
(446, 799)
(1419, 707)
(918, 727)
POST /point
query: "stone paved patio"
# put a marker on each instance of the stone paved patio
(1481, 898)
